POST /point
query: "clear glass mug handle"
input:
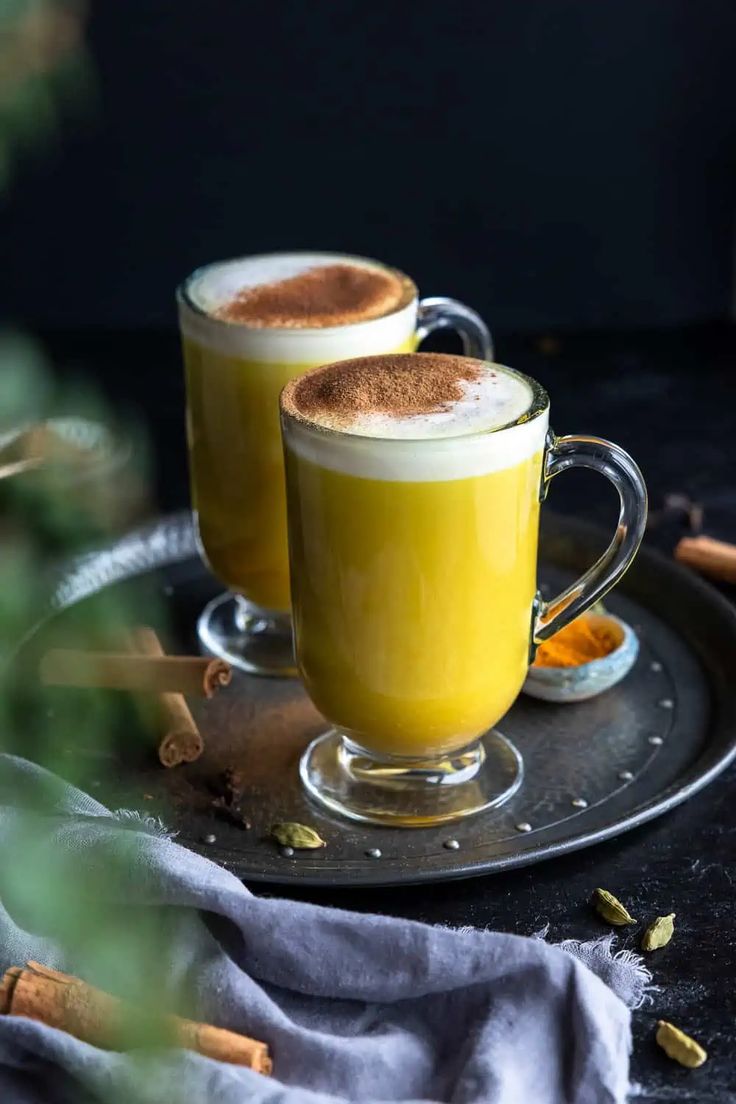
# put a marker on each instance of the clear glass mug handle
(610, 460)
(440, 313)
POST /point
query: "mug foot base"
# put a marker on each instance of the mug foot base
(407, 793)
(250, 638)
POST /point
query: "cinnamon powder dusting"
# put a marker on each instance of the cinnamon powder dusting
(331, 295)
(400, 384)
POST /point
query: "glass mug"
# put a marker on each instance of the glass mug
(234, 374)
(415, 602)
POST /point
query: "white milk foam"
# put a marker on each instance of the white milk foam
(211, 287)
(474, 436)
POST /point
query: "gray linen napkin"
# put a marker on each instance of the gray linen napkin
(355, 1007)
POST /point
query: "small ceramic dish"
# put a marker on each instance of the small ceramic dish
(574, 684)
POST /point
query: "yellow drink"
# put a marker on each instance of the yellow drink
(413, 485)
(235, 370)
(237, 468)
(412, 601)
(249, 326)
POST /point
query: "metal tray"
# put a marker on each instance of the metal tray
(593, 769)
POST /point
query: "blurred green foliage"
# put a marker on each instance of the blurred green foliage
(49, 516)
(44, 71)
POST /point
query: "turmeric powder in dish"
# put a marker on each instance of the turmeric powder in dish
(584, 639)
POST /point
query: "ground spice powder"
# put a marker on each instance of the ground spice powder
(330, 295)
(398, 384)
(583, 640)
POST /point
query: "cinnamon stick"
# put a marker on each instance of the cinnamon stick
(181, 741)
(70, 1004)
(150, 672)
(713, 557)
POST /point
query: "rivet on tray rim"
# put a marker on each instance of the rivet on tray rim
(626, 776)
(579, 803)
(523, 826)
(656, 740)
(666, 703)
(374, 853)
(209, 838)
(287, 852)
(655, 665)
(451, 844)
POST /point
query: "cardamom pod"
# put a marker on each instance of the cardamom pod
(679, 1046)
(611, 909)
(299, 836)
(659, 933)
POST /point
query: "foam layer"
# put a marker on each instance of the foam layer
(496, 419)
(208, 315)
(417, 395)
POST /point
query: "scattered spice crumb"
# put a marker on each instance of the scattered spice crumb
(226, 805)
(233, 814)
(681, 508)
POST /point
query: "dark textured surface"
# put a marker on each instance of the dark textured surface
(669, 399)
(632, 753)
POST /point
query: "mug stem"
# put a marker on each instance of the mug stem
(256, 640)
(410, 793)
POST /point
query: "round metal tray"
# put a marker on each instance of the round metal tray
(592, 769)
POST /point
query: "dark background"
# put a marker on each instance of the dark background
(567, 167)
(557, 163)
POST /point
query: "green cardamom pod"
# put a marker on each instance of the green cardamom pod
(679, 1046)
(659, 933)
(611, 909)
(299, 836)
